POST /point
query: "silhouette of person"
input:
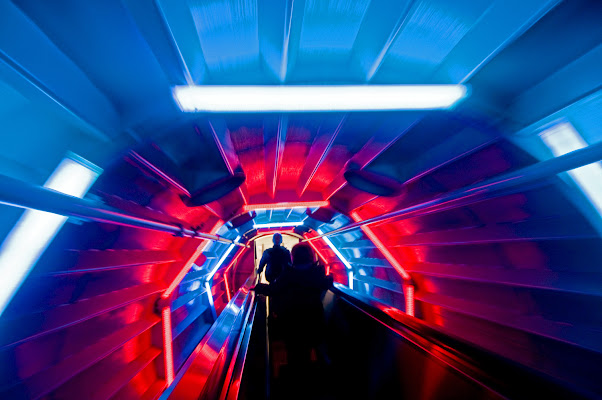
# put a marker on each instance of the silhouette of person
(276, 258)
(298, 293)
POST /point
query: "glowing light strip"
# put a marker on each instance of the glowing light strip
(188, 264)
(340, 256)
(283, 98)
(210, 298)
(34, 231)
(167, 345)
(336, 251)
(227, 286)
(320, 255)
(285, 205)
(408, 291)
(563, 139)
(377, 242)
(221, 260)
(236, 257)
(277, 225)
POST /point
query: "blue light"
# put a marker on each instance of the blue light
(562, 139)
(340, 256)
(35, 229)
(221, 260)
(336, 251)
(209, 295)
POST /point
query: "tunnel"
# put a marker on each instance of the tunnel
(441, 158)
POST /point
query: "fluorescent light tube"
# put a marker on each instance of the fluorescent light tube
(317, 98)
(285, 205)
(277, 225)
(35, 229)
(562, 139)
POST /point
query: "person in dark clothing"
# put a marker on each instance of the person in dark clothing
(298, 292)
(276, 258)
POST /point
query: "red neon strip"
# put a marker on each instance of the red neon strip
(226, 273)
(408, 288)
(368, 231)
(409, 295)
(276, 206)
(321, 257)
(227, 286)
(174, 284)
(167, 345)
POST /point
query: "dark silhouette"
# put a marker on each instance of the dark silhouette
(298, 296)
(277, 259)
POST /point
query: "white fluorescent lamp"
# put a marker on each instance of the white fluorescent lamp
(277, 225)
(35, 229)
(562, 139)
(317, 98)
(221, 260)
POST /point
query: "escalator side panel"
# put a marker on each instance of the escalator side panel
(371, 361)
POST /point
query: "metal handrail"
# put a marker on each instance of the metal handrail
(503, 376)
(16, 193)
(222, 342)
(491, 188)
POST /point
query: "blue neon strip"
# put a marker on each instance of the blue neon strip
(336, 251)
(221, 260)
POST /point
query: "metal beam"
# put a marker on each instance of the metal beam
(221, 135)
(24, 195)
(158, 172)
(317, 154)
(374, 147)
(374, 67)
(495, 187)
(274, 152)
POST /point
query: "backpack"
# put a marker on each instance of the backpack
(279, 258)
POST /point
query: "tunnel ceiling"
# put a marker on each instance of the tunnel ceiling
(517, 274)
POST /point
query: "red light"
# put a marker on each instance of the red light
(174, 284)
(226, 273)
(321, 257)
(284, 205)
(227, 286)
(409, 295)
(167, 348)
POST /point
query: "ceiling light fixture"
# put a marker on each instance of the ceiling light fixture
(317, 98)
(35, 230)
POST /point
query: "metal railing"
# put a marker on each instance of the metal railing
(21, 194)
(499, 186)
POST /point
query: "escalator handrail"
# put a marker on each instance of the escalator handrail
(230, 322)
(468, 359)
(235, 371)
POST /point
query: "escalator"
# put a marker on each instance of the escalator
(374, 352)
